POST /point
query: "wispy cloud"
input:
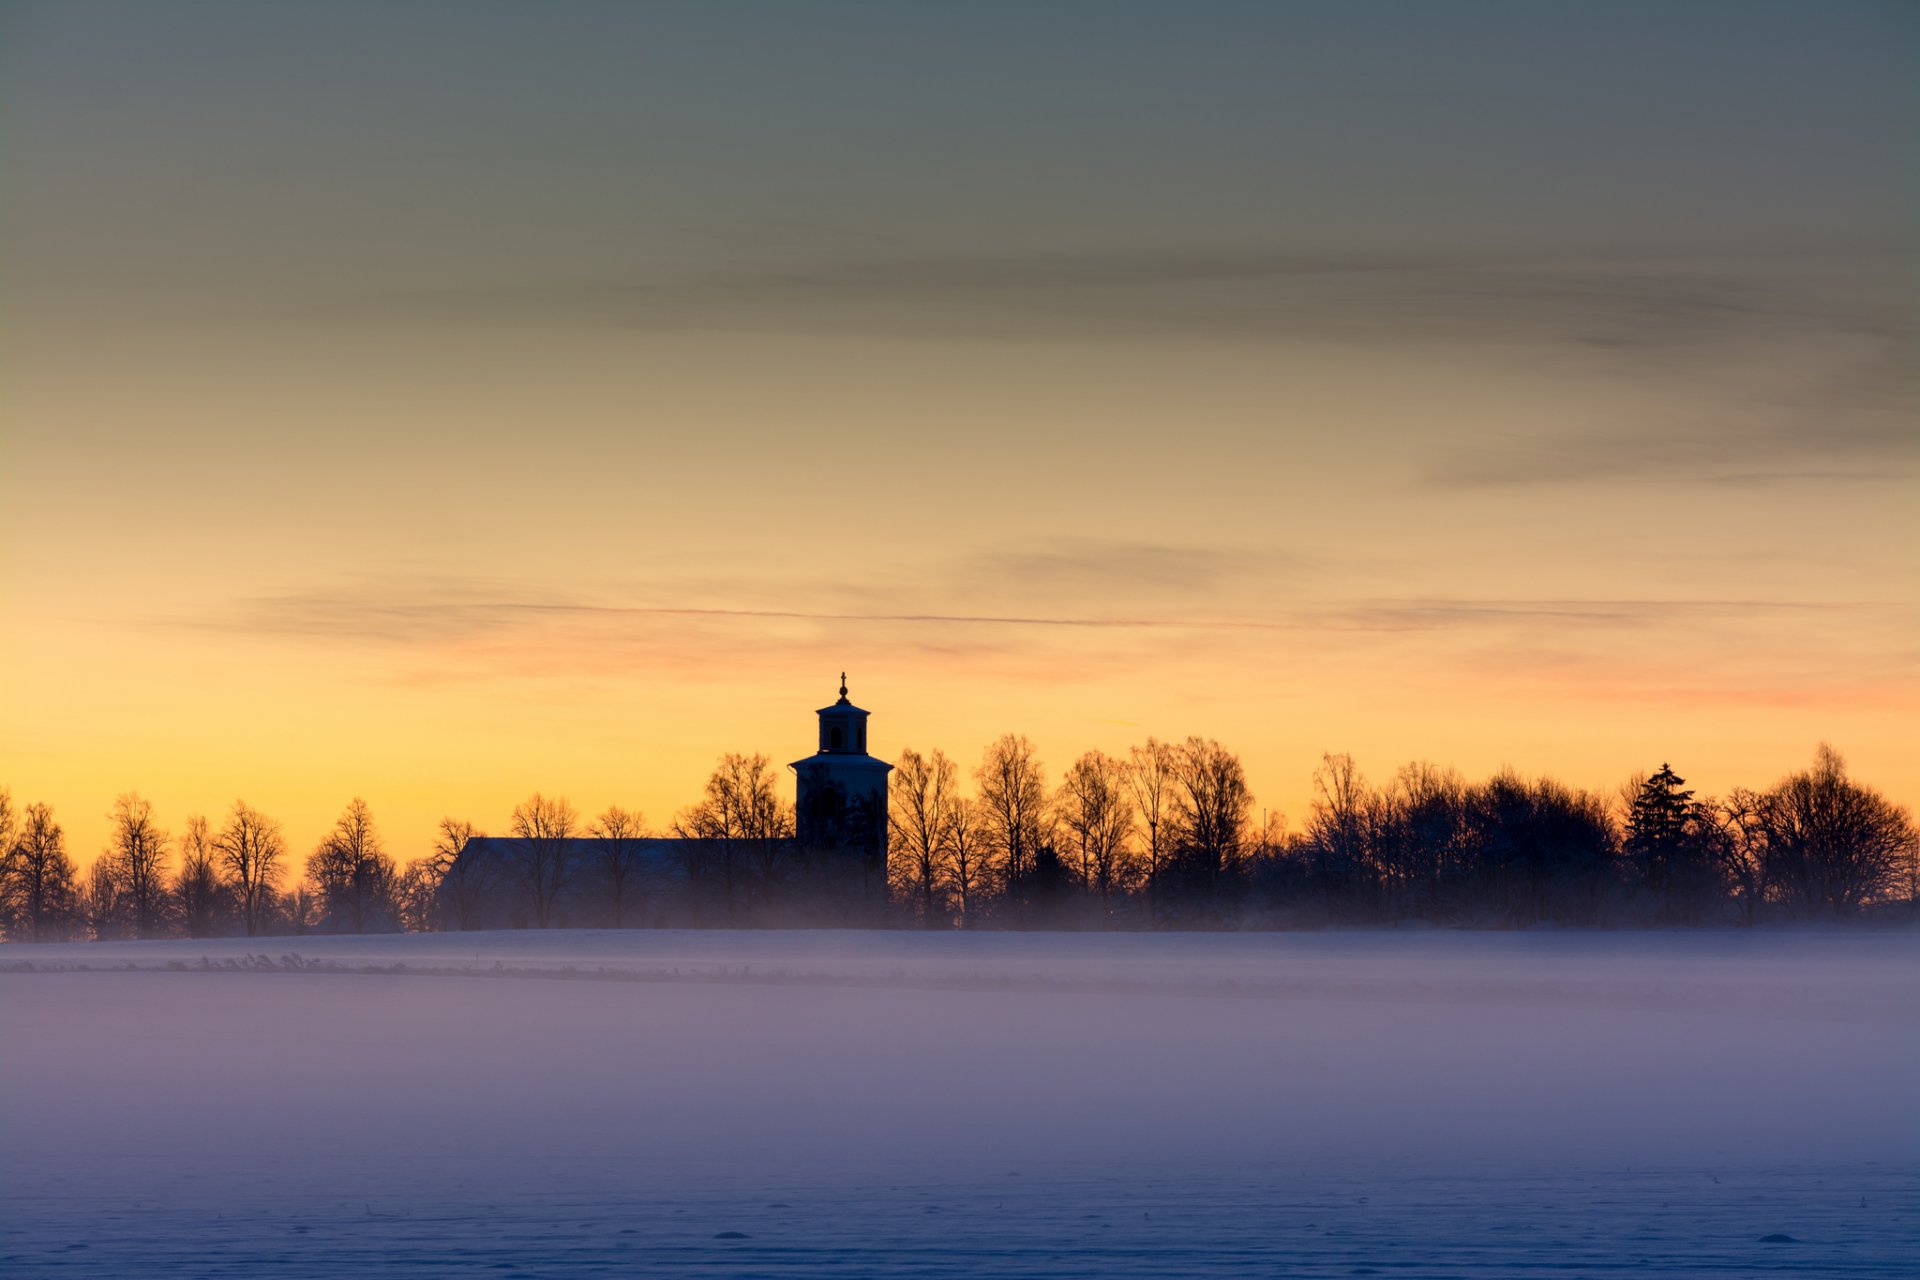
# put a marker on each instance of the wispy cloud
(1793, 366)
(412, 613)
(423, 631)
(1845, 416)
(1605, 304)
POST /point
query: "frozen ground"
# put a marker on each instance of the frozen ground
(894, 1104)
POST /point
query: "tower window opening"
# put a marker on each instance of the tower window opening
(835, 739)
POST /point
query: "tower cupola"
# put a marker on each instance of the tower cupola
(843, 726)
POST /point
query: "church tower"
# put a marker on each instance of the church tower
(841, 800)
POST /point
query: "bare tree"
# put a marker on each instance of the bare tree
(416, 895)
(102, 907)
(541, 830)
(249, 850)
(920, 813)
(969, 861)
(459, 881)
(1212, 806)
(356, 882)
(1739, 845)
(9, 834)
(1096, 808)
(741, 823)
(1340, 830)
(1013, 809)
(136, 860)
(620, 858)
(1427, 811)
(41, 897)
(1831, 844)
(197, 888)
(1150, 779)
(303, 908)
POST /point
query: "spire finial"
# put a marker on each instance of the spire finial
(843, 686)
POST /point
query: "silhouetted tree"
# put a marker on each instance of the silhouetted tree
(1831, 845)
(1342, 834)
(135, 860)
(417, 895)
(201, 897)
(1669, 844)
(355, 881)
(541, 830)
(462, 882)
(742, 824)
(969, 861)
(1048, 885)
(102, 909)
(1544, 850)
(1013, 811)
(39, 890)
(249, 850)
(1150, 778)
(1738, 845)
(302, 909)
(1096, 812)
(1211, 806)
(619, 859)
(1424, 830)
(920, 806)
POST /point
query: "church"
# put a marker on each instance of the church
(833, 870)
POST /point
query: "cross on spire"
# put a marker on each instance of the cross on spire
(843, 686)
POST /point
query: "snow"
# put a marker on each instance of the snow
(797, 1104)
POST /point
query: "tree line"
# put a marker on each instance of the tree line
(1163, 836)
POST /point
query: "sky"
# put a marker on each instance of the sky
(437, 403)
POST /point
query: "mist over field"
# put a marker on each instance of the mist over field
(597, 1102)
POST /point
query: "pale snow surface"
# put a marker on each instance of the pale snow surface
(597, 1103)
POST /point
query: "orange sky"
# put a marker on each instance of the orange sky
(450, 416)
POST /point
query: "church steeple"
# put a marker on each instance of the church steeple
(840, 798)
(843, 726)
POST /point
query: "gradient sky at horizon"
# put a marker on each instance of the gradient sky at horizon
(439, 402)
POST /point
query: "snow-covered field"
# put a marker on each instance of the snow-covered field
(787, 1104)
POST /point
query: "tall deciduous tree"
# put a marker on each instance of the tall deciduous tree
(1738, 844)
(969, 861)
(1095, 807)
(249, 851)
(197, 889)
(541, 860)
(1339, 830)
(416, 895)
(1013, 810)
(136, 861)
(919, 814)
(1832, 845)
(102, 909)
(741, 823)
(1150, 779)
(39, 888)
(356, 882)
(1212, 806)
(461, 883)
(620, 859)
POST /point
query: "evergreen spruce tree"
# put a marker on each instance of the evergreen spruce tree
(1666, 844)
